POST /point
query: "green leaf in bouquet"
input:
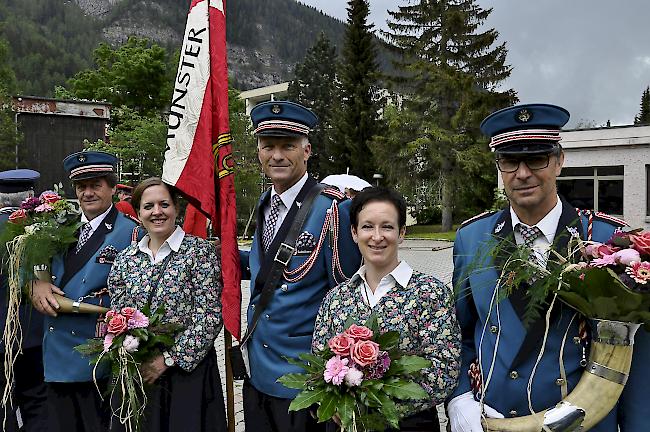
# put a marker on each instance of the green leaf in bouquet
(410, 363)
(373, 397)
(389, 411)
(293, 380)
(388, 341)
(402, 389)
(372, 323)
(307, 398)
(327, 407)
(346, 409)
(92, 347)
(313, 360)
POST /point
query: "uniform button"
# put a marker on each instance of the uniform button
(559, 382)
(83, 280)
(51, 329)
(253, 307)
(267, 316)
(265, 345)
(576, 340)
(53, 277)
(73, 333)
(494, 329)
(514, 374)
(284, 287)
(513, 413)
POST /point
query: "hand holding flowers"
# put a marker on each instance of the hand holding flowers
(357, 379)
(131, 347)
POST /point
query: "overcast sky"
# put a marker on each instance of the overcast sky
(589, 56)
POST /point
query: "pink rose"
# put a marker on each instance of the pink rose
(341, 344)
(18, 215)
(358, 333)
(108, 341)
(117, 325)
(128, 312)
(627, 256)
(110, 314)
(335, 370)
(49, 197)
(641, 242)
(365, 353)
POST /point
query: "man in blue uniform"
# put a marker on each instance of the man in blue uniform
(324, 256)
(525, 140)
(81, 274)
(29, 391)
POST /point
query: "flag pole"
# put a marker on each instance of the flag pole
(230, 388)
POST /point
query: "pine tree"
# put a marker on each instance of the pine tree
(358, 117)
(644, 114)
(10, 138)
(315, 86)
(449, 73)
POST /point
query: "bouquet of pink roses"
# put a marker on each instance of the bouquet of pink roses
(131, 338)
(359, 378)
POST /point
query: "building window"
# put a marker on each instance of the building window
(597, 188)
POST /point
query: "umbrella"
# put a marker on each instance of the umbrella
(343, 181)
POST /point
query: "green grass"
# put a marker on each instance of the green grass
(430, 232)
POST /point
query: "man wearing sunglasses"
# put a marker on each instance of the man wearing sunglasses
(499, 353)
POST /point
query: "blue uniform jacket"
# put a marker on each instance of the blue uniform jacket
(80, 275)
(286, 326)
(519, 347)
(31, 321)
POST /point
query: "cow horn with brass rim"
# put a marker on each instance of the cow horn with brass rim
(597, 392)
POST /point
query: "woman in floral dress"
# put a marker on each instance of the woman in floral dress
(416, 305)
(182, 273)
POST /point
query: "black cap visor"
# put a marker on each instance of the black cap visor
(279, 133)
(527, 148)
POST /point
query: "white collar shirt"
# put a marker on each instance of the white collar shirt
(96, 221)
(400, 275)
(173, 243)
(548, 226)
(287, 197)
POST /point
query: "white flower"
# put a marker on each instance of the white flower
(353, 377)
(131, 343)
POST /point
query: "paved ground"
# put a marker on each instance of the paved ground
(428, 256)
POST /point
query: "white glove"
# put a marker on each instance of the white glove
(465, 413)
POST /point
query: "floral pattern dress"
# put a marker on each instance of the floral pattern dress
(189, 289)
(422, 313)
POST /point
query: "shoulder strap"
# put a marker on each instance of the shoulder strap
(282, 258)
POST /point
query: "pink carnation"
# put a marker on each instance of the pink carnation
(353, 377)
(138, 320)
(627, 256)
(108, 340)
(43, 208)
(335, 370)
(604, 261)
(131, 343)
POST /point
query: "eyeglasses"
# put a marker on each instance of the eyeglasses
(533, 162)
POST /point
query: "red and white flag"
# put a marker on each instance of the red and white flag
(198, 159)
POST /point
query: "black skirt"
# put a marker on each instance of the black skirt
(184, 401)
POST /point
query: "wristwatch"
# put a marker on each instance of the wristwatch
(169, 361)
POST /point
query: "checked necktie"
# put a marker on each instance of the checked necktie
(271, 220)
(84, 235)
(529, 235)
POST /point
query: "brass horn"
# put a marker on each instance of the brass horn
(66, 304)
(597, 392)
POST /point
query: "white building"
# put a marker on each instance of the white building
(264, 94)
(608, 170)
